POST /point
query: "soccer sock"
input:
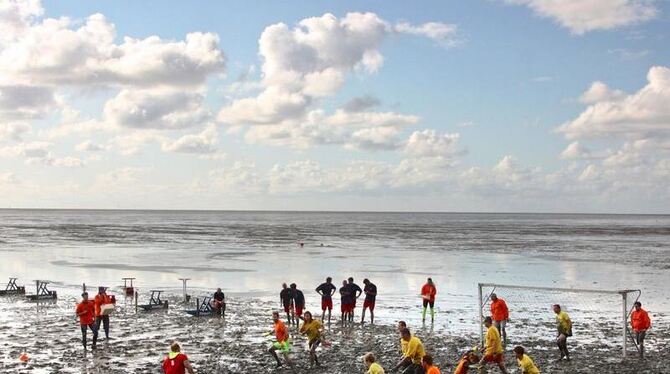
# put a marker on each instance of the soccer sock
(432, 313)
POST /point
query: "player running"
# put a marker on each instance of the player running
(286, 301)
(640, 322)
(500, 315)
(412, 355)
(176, 362)
(86, 313)
(326, 290)
(370, 296)
(314, 331)
(356, 292)
(526, 364)
(298, 302)
(493, 349)
(564, 327)
(428, 292)
(282, 344)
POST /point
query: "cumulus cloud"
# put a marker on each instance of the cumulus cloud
(361, 103)
(429, 143)
(39, 153)
(581, 16)
(639, 115)
(25, 102)
(600, 92)
(13, 131)
(89, 146)
(202, 143)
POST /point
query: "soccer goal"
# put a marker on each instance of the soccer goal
(600, 317)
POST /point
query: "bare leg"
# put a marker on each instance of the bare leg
(372, 316)
(363, 316)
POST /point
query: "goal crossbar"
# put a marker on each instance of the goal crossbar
(626, 308)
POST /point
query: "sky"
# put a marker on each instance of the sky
(483, 105)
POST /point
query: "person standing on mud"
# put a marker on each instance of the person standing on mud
(177, 362)
(286, 301)
(370, 296)
(428, 292)
(299, 303)
(326, 290)
(102, 299)
(640, 322)
(219, 302)
(564, 327)
(314, 331)
(345, 301)
(500, 315)
(356, 292)
(86, 313)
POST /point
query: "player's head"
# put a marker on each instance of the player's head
(174, 347)
(557, 308)
(369, 359)
(283, 285)
(351, 279)
(101, 290)
(218, 289)
(84, 296)
(293, 286)
(401, 325)
(405, 334)
(427, 361)
(275, 316)
(308, 316)
(637, 305)
(488, 321)
(329, 279)
(344, 282)
(494, 297)
(430, 280)
(366, 281)
(519, 351)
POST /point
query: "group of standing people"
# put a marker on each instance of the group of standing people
(91, 315)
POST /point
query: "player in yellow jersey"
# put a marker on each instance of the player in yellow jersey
(493, 349)
(526, 363)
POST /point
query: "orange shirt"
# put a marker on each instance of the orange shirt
(432, 370)
(640, 320)
(499, 311)
(86, 312)
(99, 300)
(429, 290)
(281, 333)
(463, 366)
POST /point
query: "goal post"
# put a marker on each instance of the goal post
(592, 311)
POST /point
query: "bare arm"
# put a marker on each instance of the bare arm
(188, 367)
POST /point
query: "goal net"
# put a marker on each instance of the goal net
(599, 317)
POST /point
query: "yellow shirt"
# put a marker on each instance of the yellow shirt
(375, 368)
(403, 346)
(415, 350)
(527, 365)
(564, 323)
(312, 329)
(493, 342)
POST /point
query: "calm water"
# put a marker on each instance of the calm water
(251, 253)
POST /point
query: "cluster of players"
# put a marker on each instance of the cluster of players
(414, 359)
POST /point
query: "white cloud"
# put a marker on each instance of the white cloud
(443, 33)
(25, 102)
(429, 143)
(13, 131)
(600, 92)
(643, 114)
(359, 104)
(89, 146)
(575, 151)
(203, 143)
(581, 16)
(156, 109)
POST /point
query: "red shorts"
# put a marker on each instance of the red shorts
(287, 308)
(496, 358)
(326, 304)
(347, 308)
(298, 310)
(369, 304)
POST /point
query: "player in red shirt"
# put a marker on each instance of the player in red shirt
(428, 292)
(86, 313)
(640, 322)
(177, 362)
(100, 299)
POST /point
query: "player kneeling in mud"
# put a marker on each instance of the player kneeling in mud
(282, 344)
